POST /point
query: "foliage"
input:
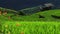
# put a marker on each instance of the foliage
(19, 27)
(30, 24)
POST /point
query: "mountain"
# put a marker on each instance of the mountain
(21, 4)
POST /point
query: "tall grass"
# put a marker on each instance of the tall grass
(23, 27)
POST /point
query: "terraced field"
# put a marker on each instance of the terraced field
(31, 24)
(34, 17)
(47, 14)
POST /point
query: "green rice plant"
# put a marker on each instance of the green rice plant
(25, 27)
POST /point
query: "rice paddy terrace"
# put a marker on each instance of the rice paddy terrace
(33, 17)
(30, 24)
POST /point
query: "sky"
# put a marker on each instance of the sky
(21, 4)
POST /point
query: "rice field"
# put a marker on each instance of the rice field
(25, 27)
(30, 24)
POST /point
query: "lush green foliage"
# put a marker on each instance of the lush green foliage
(23, 27)
(30, 24)
(34, 17)
(47, 14)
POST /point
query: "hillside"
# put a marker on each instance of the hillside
(47, 14)
(34, 17)
(30, 24)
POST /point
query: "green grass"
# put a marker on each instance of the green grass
(31, 24)
(34, 17)
(47, 14)
(19, 27)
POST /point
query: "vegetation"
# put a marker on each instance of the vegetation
(34, 17)
(11, 23)
(25, 27)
